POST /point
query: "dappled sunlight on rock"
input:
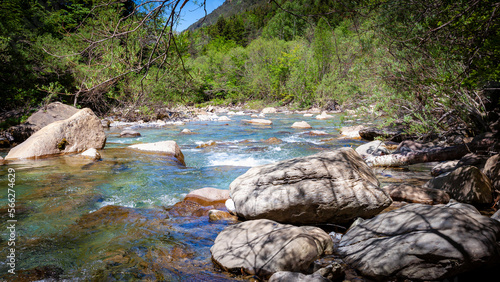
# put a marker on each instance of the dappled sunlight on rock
(263, 247)
(328, 187)
(422, 242)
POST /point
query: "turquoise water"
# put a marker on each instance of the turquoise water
(114, 219)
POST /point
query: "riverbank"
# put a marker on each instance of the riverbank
(130, 190)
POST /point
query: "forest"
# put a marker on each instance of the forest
(431, 66)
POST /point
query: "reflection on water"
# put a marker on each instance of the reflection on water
(114, 220)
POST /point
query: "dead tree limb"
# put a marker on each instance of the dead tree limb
(432, 155)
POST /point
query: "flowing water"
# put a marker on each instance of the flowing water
(114, 219)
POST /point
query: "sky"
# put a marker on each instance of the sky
(193, 12)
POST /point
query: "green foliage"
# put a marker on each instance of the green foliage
(441, 60)
(62, 145)
(323, 47)
(414, 61)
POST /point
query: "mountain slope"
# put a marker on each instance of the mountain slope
(227, 9)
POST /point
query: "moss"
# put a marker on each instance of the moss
(62, 145)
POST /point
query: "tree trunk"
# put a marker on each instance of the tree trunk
(431, 155)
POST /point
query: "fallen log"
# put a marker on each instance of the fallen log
(434, 154)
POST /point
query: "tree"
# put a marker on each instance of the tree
(446, 51)
(86, 49)
(323, 47)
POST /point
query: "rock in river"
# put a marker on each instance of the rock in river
(207, 196)
(323, 116)
(91, 154)
(301, 124)
(168, 147)
(465, 184)
(288, 276)
(335, 186)
(130, 133)
(422, 242)
(263, 247)
(412, 194)
(374, 148)
(492, 171)
(351, 131)
(259, 121)
(78, 133)
(51, 113)
(387, 133)
(218, 215)
(269, 110)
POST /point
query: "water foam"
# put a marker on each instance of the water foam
(224, 159)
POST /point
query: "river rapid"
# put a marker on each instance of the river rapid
(115, 219)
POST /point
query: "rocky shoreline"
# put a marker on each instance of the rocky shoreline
(282, 214)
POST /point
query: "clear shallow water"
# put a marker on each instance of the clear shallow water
(113, 219)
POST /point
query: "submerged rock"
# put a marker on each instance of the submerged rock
(78, 133)
(263, 247)
(167, 147)
(39, 273)
(208, 196)
(422, 242)
(190, 208)
(218, 215)
(335, 186)
(465, 184)
(207, 144)
(272, 140)
(316, 133)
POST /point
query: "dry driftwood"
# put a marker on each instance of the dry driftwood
(431, 155)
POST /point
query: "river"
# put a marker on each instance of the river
(113, 219)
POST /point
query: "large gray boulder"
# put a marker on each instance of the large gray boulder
(263, 247)
(422, 242)
(466, 184)
(328, 187)
(51, 113)
(78, 133)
